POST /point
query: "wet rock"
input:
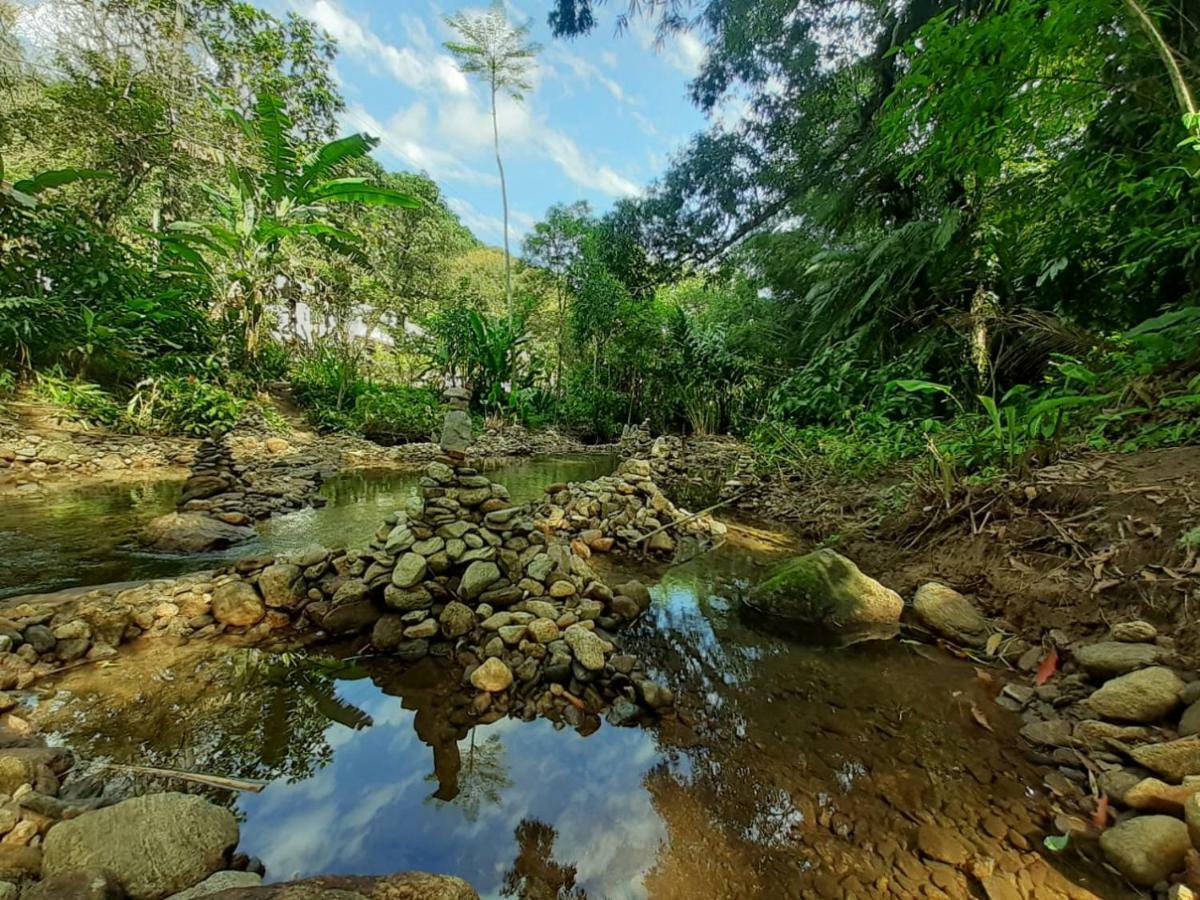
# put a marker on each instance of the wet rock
(1191, 815)
(40, 638)
(946, 612)
(1116, 783)
(350, 618)
(827, 589)
(1174, 760)
(941, 844)
(492, 675)
(1142, 696)
(1110, 658)
(192, 532)
(1189, 722)
(1048, 733)
(282, 587)
(1136, 632)
(408, 600)
(653, 694)
(169, 842)
(237, 603)
(219, 881)
(82, 884)
(1146, 849)
(18, 862)
(388, 632)
(1092, 734)
(477, 578)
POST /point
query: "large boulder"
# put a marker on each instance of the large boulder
(237, 603)
(1174, 760)
(282, 586)
(824, 588)
(1109, 658)
(192, 532)
(1146, 849)
(946, 612)
(155, 845)
(404, 886)
(1146, 695)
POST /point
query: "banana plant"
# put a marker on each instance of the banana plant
(25, 192)
(257, 209)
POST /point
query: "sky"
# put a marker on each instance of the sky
(605, 113)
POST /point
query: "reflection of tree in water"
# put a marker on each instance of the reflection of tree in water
(481, 777)
(248, 714)
(534, 874)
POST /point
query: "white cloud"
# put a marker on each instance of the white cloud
(565, 153)
(587, 72)
(609, 58)
(491, 228)
(683, 51)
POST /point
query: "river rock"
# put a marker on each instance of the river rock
(1048, 732)
(1142, 696)
(948, 613)
(192, 532)
(167, 843)
(824, 588)
(237, 603)
(217, 882)
(1189, 722)
(478, 577)
(1173, 760)
(492, 676)
(1136, 632)
(404, 886)
(82, 884)
(410, 569)
(636, 591)
(456, 619)
(1154, 795)
(18, 862)
(587, 647)
(1146, 849)
(1109, 658)
(282, 587)
(1191, 815)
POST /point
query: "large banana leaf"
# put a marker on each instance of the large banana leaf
(320, 164)
(357, 190)
(274, 132)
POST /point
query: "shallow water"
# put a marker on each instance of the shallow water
(67, 538)
(795, 770)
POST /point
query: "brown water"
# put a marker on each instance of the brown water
(792, 771)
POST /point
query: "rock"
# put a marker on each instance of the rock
(543, 630)
(349, 618)
(19, 862)
(942, 844)
(586, 647)
(456, 619)
(168, 842)
(192, 532)
(1153, 795)
(1191, 815)
(388, 632)
(1117, 783)
(1137, 632)
(456, 433)
(237, 603)
(1048, 732)
(407, 600)
(82, 884)
(282, 587)
(478, 577)
(1092, 734)
(636, 591)
(1174, 760)
(1142, 696)
(410, 569)
(492, 675)
(948, 613)
(1110, 658)
(825, 588)
(404, 886)
(653, 694)
(219, 881)
(562, 589)
(1189, 722)
(1146, 849)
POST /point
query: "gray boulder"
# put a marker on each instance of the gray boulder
(946, 612)
(192, 532)
(1146, 695)
(156, 845)
(1146, 849)
(824, 588)
(1109, 658)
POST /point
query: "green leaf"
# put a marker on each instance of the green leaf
(57, 178)
(1056, 842)
(357, 190)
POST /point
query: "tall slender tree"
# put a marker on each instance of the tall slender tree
(500, 53)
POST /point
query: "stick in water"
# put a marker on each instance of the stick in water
(219, 781)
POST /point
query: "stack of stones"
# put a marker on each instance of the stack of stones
(626, 511)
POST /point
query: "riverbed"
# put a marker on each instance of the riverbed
(790, 770)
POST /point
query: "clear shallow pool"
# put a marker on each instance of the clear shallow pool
(792, 771)
(67, 538)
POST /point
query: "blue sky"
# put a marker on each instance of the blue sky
(603, 118)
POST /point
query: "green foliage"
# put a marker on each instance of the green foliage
(396, 414)
(182, 404)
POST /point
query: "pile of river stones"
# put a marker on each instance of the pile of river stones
(626, 511)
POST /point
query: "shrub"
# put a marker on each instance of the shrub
(396, 414)
(183, 404)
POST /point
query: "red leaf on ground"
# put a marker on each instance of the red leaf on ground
(1047, 667)
(1100, 816)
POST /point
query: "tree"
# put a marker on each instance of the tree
(500, 53)
(257, 210)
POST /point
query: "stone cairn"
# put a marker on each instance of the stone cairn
(626, 511)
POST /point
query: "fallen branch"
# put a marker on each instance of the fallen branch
(218, 781)
(690, 516)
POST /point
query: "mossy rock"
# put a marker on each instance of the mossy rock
(824, 588)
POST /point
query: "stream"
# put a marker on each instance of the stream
(792, 770)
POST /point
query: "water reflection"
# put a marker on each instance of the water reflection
(67, 538)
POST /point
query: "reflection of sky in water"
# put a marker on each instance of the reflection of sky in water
(370, 810)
